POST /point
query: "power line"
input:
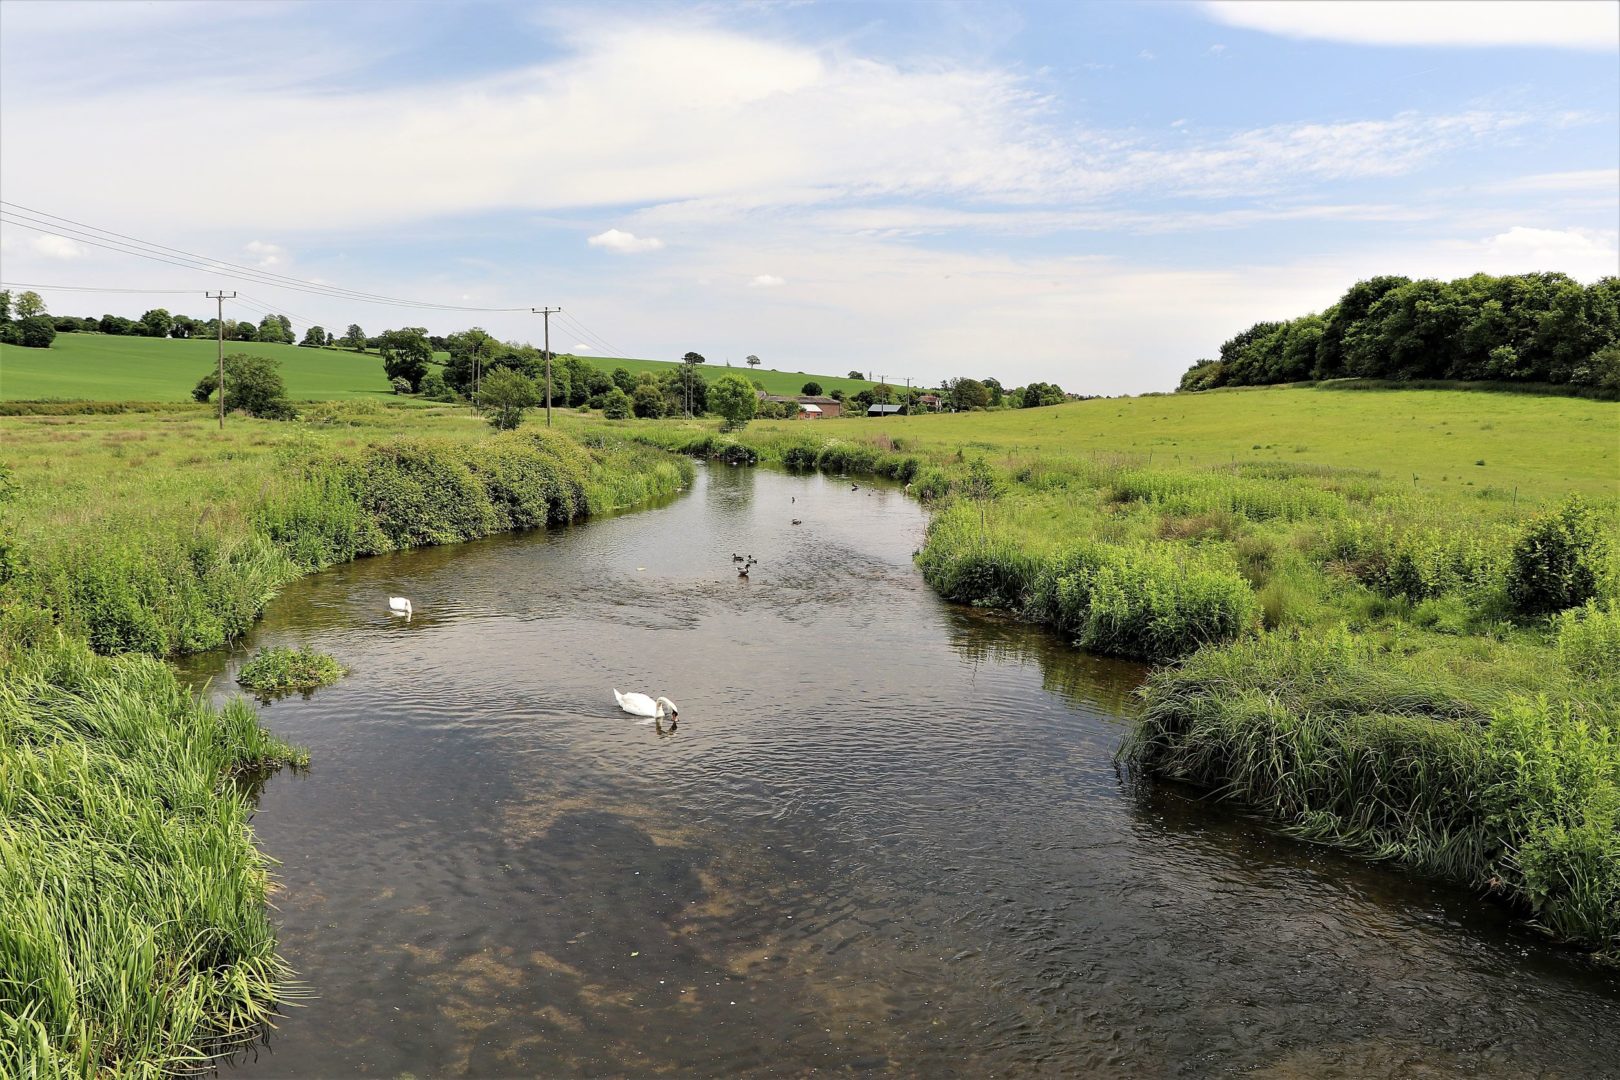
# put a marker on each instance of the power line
(44, 222)
(96, 289)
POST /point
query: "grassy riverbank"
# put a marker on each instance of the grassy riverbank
(133, 929)
(1381, 665)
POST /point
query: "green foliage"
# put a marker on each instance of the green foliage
(280, 671)
(732, 396)
(252, 385)
(35, 332)
(434, 388)
(811, 389)
(503, 395)
(1038, 394)
(1560, 560)
(1588, 639)
(647, 401)
(1519, 328)
(405, 354)
(1436, 759)
(134, 932)
(400, 385)
(616, 404)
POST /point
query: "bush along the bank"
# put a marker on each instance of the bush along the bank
(1482, 767)
(282, 671)
(134, 935)
(129, 585)
(1131, 600)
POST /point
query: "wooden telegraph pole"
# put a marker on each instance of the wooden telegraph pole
(547, 312)
(219, 324)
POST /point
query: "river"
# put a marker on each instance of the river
(887, 836)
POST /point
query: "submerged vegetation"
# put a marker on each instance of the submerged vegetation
(281, 671)
(1424, 673)
(134, 938)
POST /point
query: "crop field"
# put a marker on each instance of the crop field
(1463, 442)
(100, 367)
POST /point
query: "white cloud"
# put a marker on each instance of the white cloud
(1581, 253)
(625, 243)
(1145, 54)
(581, 348)
(1605, 181)
(1567, 24)
(265, 255)
(56, 247)
(766, 281)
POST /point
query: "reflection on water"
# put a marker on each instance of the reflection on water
(889, 836)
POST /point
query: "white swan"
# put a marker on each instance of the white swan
(642, 705)
(398, 605)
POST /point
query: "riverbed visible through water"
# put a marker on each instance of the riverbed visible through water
(888, 836)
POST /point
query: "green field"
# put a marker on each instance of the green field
(98, 367)
(1545, 446)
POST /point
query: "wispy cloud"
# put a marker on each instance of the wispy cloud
(1566, 24)
(766, 281)
(56, 247)
(625, 243)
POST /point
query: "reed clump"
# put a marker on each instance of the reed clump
(282, 671)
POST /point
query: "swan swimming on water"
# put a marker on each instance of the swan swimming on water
(642, 705)
(398, 605)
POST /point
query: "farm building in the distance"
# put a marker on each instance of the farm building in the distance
(811, 406)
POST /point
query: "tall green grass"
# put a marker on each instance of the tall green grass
(1484, 765)
(134, 938)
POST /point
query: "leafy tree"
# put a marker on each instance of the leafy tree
(405, 354)
(811, 389)
(157, 323)
(733, 398)
(503, 395)
(184, 327)
(689, 380)
(35, 332)
(969, 394)
(624, 380)
(29, 304)
(647, 401)
(5, 306)
(434, 388)
(1037, 394)
(996, 392)
(243, 331)
(856, 375)
(272, 328)
(116, 325)
(314, 337)
(615, 404)
(472, 354)
(355, 338)
(400, 386)
(753, 361)
(252, 384)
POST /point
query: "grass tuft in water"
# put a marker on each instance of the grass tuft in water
(281, 671)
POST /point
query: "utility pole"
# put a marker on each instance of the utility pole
(907, 407)
(219, 324)
(547, 312)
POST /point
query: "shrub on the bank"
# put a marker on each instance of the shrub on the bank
(253, 385)
(278, 671)
(1589, 639)
(1559, 561)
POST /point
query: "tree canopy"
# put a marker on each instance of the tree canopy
(405, 354)
(1529, 328)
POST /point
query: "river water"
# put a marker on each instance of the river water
(888, 836)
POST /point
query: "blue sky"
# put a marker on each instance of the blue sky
(1092, 194)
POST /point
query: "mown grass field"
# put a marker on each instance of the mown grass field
(1545, 446)
(99, 367)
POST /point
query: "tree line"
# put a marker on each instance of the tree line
(1518, 328)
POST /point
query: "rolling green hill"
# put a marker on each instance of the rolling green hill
(99, 367)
